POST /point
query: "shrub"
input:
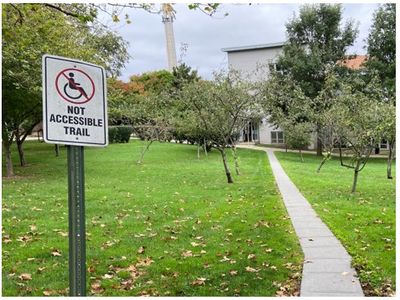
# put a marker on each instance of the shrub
(119, 134)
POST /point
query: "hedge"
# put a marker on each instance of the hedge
(119, 134)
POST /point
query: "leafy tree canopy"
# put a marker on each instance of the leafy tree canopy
(382, 45)
(316, 42)
(154, 82)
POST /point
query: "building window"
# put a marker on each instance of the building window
(277, 137)
(384, 144)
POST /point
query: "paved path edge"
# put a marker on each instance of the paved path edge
(327, 270)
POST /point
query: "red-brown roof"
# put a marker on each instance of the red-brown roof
(354, 62)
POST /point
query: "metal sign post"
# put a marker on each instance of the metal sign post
(75, 114)
(76, 211)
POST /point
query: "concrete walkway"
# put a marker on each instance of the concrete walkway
(327, 265)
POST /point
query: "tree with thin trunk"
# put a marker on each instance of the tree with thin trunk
(297, 135)
(328, 136)
(359, 117)
(288, 108)
(154, 115)
(220, 108)
(388, 132)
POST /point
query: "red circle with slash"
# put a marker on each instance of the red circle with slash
(74, 86)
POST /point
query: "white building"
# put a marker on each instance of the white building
(255, 61)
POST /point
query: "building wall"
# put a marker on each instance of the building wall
(265, 131)
(254, 63)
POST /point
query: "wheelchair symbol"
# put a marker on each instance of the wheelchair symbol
(75, 86)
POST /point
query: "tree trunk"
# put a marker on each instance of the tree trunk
(227, 171)
(205, 146)
(20, 147)
(356, 170)
(198, 150)
(321, 164)
(301, 155)
(9, 165)
(390, 158)
(21, 153)
(235, 157)
(319, 142)
(144, 151)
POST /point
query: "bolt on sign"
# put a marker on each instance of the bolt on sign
(75, 102)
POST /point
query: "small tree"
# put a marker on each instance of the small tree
(358, 118)
(327, 119)
(288, 107)
(388, 132)
(220, 109)
(154, 120)
(297, 135)
(282, 99)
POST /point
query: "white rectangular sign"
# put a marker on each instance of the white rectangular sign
(74, 102)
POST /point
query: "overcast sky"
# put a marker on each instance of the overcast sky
(205, 36)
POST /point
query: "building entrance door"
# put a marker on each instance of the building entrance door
(250, 133)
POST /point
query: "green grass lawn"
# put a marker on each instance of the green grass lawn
(171, 226)
(364, 222)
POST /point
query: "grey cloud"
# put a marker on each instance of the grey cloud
(205, 36)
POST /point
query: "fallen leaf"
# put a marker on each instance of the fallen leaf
(141, 250)
(24, 239)
(252, 270)
(107, 276)
(127, 284)
(251, 256)
(145, 262)
(268, 250)
(56, 252)
(233, 272)
(194, 244)
(199, 281)
(261, 223)
(48, 292)
(96, 287)
(225, 259)
(6, 239)
(187, 253)
(25, 276)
